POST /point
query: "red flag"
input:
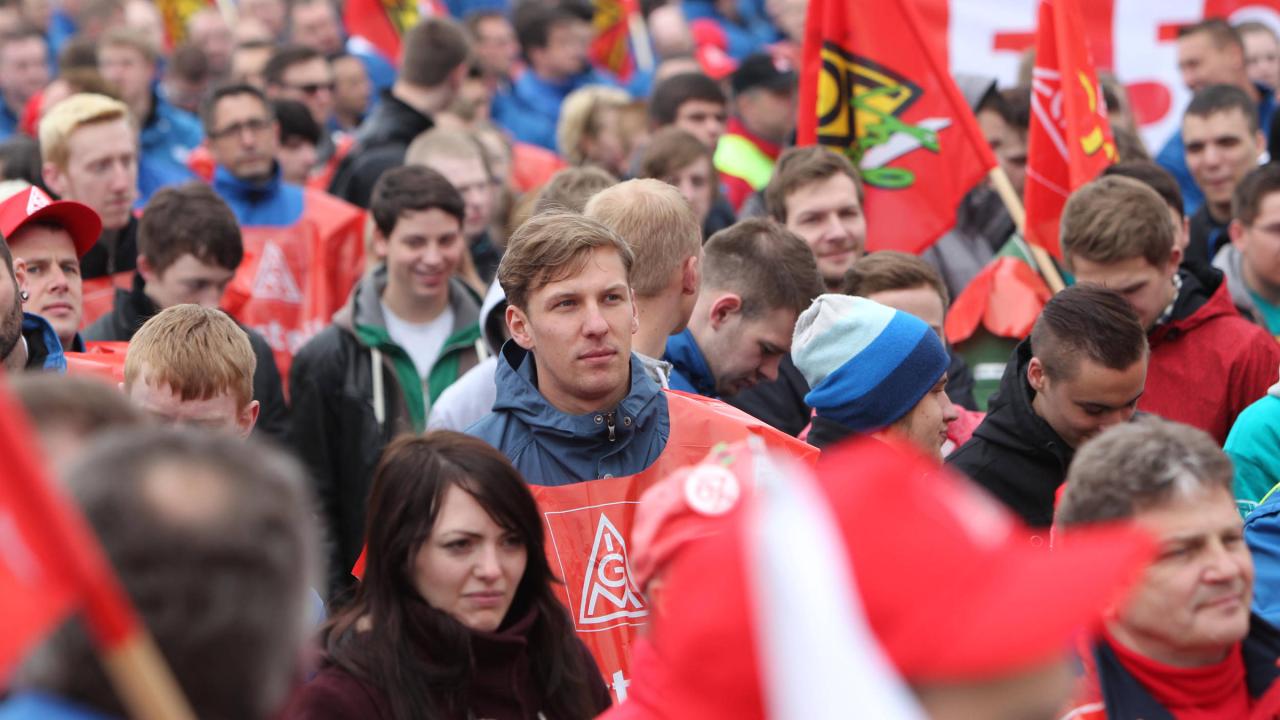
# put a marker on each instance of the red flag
(875, 91)
(175, 14)
(1070, 140)
(50, 561)
(381, 22)
(611, 48)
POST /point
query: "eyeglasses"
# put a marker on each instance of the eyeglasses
(254, 126)
(312, 88)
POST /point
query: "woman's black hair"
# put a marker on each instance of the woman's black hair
(420, 656)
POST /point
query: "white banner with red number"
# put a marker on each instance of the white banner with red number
(1134, 39)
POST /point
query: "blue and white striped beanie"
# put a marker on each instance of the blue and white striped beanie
(867, 364)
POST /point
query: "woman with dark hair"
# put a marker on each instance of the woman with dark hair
(455, 617)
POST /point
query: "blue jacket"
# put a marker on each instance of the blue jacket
(742, 39)
(1173, 156)
(689, 370)
(1262, 535)
(551, 448)
(8, 121)
(44, 349)
(530, 108)
(272, 203)
(167, 139)
(34, 705)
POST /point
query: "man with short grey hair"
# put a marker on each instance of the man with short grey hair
(1189, 619)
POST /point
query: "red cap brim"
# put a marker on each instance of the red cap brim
(1025, 611)
(81, 222)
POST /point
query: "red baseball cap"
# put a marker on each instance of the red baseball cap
(34, 205)
(944, 578)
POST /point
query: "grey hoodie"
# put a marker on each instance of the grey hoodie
(1231, 262)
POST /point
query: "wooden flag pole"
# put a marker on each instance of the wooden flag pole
(639, 31)
(1039, 256)
(142, 679)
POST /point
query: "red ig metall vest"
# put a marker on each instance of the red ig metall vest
(588, 527)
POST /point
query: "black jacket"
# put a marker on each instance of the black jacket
(133, 308)
(779, 403)
(336, 428)
(1206, 237)
(108, 257)
(1014, 453)
(380, 144)
(825, 432)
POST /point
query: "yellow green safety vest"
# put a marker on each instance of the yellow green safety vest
(739, 157)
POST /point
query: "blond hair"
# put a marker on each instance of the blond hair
(128, 37)
(550, 247)
(198, 352)
(656, 222)
(580, 117)
(445, 143)
(72, 114)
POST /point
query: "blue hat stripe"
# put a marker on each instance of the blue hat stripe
(846, 397)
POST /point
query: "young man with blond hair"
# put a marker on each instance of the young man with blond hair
(193, 365)
(1116, 232)
(89, 150)
(662, 231)
(574, 403)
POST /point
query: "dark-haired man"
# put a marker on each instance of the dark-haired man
(1223, 143)
(303, 247)
(433, 65)
(407, 331)
(1116, 232)
(1083, 369)
(189, 247)
(554, 38)
(1211, 52)
(757, 277)
(1251, 261)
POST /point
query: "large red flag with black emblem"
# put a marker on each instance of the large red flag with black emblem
(876, 92)
(1070, 140)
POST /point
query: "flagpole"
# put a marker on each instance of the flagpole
(640, 42)
(143, 680)
(1040, 257)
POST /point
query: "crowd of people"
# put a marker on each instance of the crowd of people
(313, 336)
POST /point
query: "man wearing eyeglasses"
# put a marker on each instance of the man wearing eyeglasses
(301, 73)
(303, 248)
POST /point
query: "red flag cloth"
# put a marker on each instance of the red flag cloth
(875, 91)
(611, 48)
(1070, 140)
(1005, 298)
(175, 14)
(104, 360)
(294, 278)
(382, 22)
(50, 561)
